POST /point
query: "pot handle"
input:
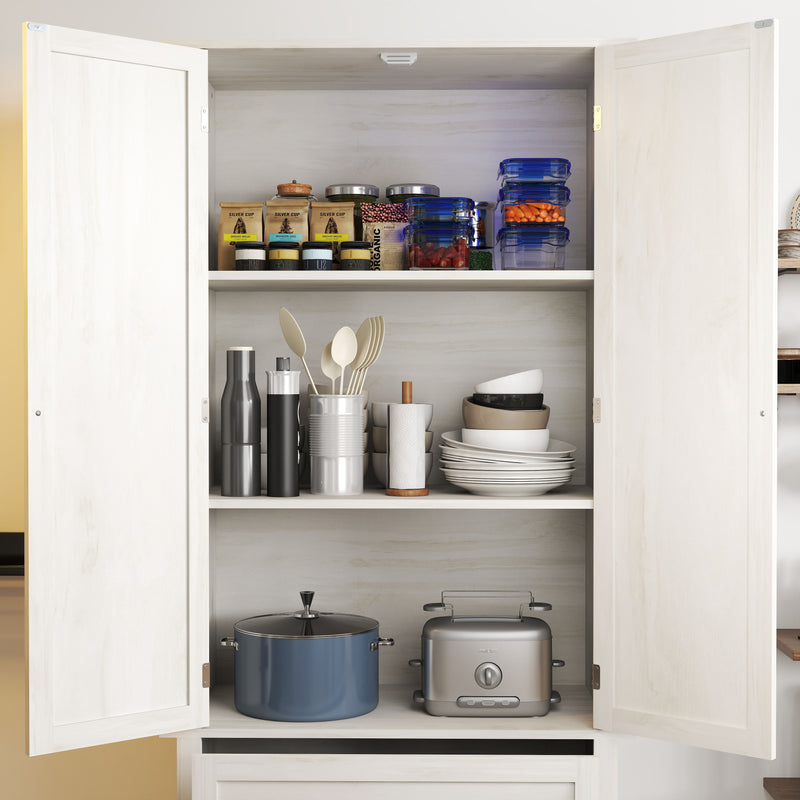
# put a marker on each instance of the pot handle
(388, 642)
(415, 662)
(227, 641)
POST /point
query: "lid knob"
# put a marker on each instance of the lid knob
(307, 596)
(281, 365)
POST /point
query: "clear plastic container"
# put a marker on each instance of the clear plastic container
(534, 204)
(539, 247)
(439, 209)
(534, 170)
(438, 245)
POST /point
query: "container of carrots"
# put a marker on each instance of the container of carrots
(534, 204)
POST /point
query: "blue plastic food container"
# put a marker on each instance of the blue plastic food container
(532, 247)
(534, 204)
(439, 245)
(534, 170)
(439, 209)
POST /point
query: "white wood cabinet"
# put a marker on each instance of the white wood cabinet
(659, 562)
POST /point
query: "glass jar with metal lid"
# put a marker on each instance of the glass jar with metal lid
(294, 191)
(400, 192)
(356, 193)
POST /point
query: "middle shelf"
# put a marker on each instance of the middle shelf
(570, 497)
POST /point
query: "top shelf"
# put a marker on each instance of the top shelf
(438, 280)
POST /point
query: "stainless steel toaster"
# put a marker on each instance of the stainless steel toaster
(486, 666)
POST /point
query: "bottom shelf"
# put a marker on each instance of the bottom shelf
(396, 717)
(783, 788)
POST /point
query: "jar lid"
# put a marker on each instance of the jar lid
(355, 245)
(367, 189)
(306, 624)
(284, 245)
(317, 246)
(249, 245)
(300, 189)
(412, 188)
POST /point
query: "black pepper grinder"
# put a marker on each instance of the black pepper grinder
(283, 430)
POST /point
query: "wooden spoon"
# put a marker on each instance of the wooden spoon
(330, 369)
(363, 337)
(343, 350)
(296, 341)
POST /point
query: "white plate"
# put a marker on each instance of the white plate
(477, 457)
(469, 466)
(506, 490)
(504, 477)
(556, 449)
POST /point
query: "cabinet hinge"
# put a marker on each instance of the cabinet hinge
(206, 675)
(204, 119)
(763, 23)
(595, 409)
(595, 676)
(204, 410)
(597, 121)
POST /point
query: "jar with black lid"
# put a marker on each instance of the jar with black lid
(356, 193)
(317, 256)
(284, 255)
(355, 255)
(400, 192)
(250, 256)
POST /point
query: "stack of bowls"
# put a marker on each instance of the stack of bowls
(380, 440)
(507, 412)
(505, 448)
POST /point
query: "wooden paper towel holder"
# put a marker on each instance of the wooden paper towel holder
(407, 395)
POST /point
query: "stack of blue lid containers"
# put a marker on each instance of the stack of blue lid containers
(439, 232)
(532, 203)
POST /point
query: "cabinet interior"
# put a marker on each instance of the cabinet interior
(327, 115)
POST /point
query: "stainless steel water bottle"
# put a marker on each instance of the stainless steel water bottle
(241, 426)
(283, 430)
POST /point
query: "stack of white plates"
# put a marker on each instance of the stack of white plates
(506, 473)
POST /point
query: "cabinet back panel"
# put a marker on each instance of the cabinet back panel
(386, 566)
(454, 139)
(443, 343)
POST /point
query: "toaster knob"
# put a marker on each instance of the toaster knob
(488, 675)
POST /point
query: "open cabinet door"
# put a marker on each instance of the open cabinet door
(116, 563)
(685, 353)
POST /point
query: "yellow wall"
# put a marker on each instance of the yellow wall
(142, 769)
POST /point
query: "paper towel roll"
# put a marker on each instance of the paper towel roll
(406, 452)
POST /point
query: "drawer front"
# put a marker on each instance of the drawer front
(394, 777)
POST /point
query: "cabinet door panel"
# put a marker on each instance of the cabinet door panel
(685, 369)
(117, 495)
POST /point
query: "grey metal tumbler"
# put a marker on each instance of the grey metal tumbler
(241, 426)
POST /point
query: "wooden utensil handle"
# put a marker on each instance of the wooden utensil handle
(407, 392)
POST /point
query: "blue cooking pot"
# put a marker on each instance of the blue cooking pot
(309, 666)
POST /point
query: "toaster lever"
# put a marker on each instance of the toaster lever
(435, 606)
(415, 662)
(558, 662)
(555, 697)
(538, 606)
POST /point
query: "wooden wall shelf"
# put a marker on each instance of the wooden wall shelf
(789, 642)
(783, 788)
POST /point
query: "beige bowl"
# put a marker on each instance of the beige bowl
(500, 419)
(380, 443)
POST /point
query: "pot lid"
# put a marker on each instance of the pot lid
(305, 624)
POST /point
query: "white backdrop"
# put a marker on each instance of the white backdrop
(649, 770)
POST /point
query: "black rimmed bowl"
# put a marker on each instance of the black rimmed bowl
(510, 402)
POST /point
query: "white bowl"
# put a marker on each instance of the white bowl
(379, 467)
(531, 440)
(528, 382)
(380, 414)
